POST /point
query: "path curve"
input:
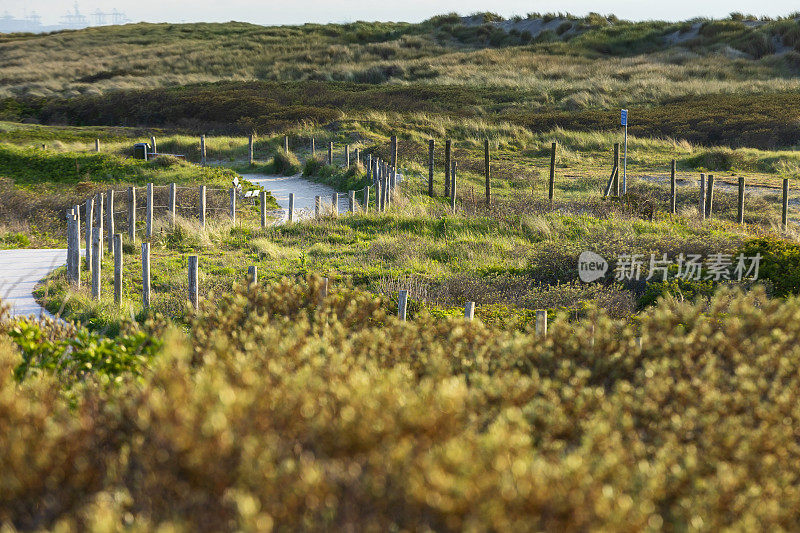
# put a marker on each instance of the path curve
(305, 193)
(20, 271)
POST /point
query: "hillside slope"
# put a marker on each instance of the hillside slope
(570, 63)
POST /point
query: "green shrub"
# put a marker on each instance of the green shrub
(780, 263)
(286, 164)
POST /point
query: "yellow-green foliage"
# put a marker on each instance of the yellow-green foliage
(284, 409)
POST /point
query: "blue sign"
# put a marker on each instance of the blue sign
(624, 116)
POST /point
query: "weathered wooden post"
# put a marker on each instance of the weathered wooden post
(110, 219)
(285, 144)
(132, 214)
(702, 196)
(194, 293)
(233, 205)
(366, 199)
(97, 145)
(291, 207)
(431, 146)
(469, 310)
(486, 170)
(98, 211)
(346, 156)
(672, 189)
(453, 186)
(262, 199)
(317, 206)
(202, 207)
(447, 149)
(149, 220)
(74, 253)
(541, 323)
(118, 268)
(89, 228)
(250, 149)
(146, 275)
(351, 201)
(153, 144)
(335, 204)
(97, 246)
(710, 193)
(740, 217)
(172, 204)
(252, 274)
(402, 303)
(203, 150)
(552, 183)
(330, 153)
(785, 210)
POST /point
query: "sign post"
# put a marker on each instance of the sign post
(624, 121)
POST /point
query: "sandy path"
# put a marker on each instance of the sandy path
(20, 271)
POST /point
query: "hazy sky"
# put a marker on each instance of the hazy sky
(299, 11)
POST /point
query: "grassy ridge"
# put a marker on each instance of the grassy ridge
(758, 120)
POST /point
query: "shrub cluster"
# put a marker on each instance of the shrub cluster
(284, 408)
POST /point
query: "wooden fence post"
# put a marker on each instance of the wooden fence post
(740, 217)
(172, 204)
(110, 220)
(469, 310)
(447, 155)
(317, 206)
(285, 144)
(402, 304)
(431, 146)
(250, 149)
(132, 213)
(710, 193)
(252, 274)
(202, 207)
(149, 230)
(153, 144)
(541, 323)
(98, 211)
(330, 153)
(613, 181)
(146, 275)
(552, 183)
(233, 205)
(702, 196)
(194, 293)
(74, 253)
(672, 189)
(785, 210)
(393, 152)
(118, 268)
(262, 199)
(291, 207)
(335, 204)
(351, 201)
(97, 145)
(97, 245)
(487, 172)
(453, 186)
(203, 150)
(89, 227)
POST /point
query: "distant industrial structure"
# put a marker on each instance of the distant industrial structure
(72, 20)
